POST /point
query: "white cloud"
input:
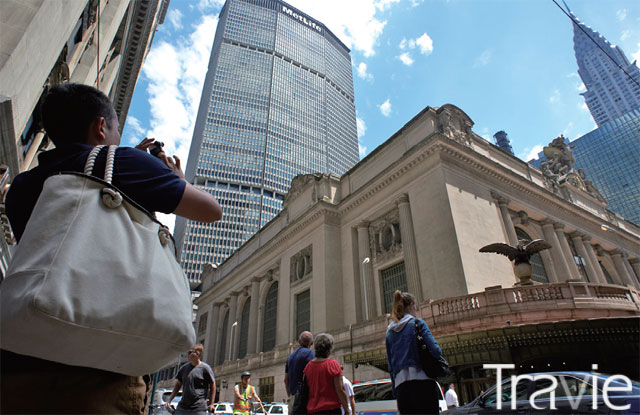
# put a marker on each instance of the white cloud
(176, 74)
(483, 59)
(484, 133)
(636, 55)
(416, 3)
(135, 131)
(362, 130)
(425, 43)
(555, 97)
(357, 23)
(530, 153)
(621, 14)
(382, 5)
(568, 129)
(209, 5)
(625, 34)
(174, 16)
(580, 86)
(362, 72)
(385, 108)
(583, 107)
(406, 58)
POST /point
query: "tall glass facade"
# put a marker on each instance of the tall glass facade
(277, 101)
(610, 157)
(610, 92)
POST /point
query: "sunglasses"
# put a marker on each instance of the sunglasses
(192, 351)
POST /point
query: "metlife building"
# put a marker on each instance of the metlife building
(277, 101)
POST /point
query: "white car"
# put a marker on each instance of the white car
(223, 408)
(376, 397)
(277, 409)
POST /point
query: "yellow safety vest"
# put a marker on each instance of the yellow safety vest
(243, 406)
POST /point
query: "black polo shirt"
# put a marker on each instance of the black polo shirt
(139, 175)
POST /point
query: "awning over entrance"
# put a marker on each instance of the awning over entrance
(375, 357)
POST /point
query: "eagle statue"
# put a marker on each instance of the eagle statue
(520, 255)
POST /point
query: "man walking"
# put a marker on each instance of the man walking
(197, 382)
(451, 398)
(295, 366)
(348, 388)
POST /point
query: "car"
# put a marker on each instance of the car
(376, 397)
(277, 409)
(574, 393)
(223, 408)
(156, 406)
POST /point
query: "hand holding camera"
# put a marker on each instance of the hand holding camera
(156, 149)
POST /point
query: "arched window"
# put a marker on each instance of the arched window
(270, 318)
(539, 274)
(244, 329)
(223, 340)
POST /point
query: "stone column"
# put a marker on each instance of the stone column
(635, 265)
(617, 279)
(576, 237)
(233, 308)
(512, 238)
(364, 251)
(253, 316)
(559, 261)
(621, 269)
(630, 271)
(594, 260)
(409, 248)
(566, 249)
(218, 334)
(212, 334)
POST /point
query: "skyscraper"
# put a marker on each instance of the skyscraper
(610, 92)
(277, 101)
(502, 141)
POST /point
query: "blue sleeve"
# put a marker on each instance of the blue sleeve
(146, 180)
(391, 375)
(429, 340)
(310, 356)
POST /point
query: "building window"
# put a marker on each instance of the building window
(539, 273)
(223, 340)
(244, 329)
(266, 389)
(301, 265)
(578, 260)
(606, 273)
(202, 324)
(303, 312)
(270, 318)
(392, 278)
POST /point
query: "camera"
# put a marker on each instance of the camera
(156, 148)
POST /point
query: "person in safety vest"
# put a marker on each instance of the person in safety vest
(244, 394)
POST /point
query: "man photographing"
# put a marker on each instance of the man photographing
(197, 382)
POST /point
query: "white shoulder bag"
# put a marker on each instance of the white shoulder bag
(94, 281)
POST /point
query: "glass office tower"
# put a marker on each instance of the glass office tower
(277, 101)
(610, 91)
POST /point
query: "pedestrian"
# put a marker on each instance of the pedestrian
(324, 379)
(245, 393)
(415, 392)
(451, 397)
(76, 118)
(296, 363)
(348, 388)
(198, 384)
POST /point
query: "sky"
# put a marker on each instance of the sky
(508, 64)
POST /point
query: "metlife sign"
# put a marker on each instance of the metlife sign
(301, 19)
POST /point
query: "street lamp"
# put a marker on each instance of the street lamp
(233, 326)
(364, 286)
(610, 229)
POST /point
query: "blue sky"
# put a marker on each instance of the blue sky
(509, 64)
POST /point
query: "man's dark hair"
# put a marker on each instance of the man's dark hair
(69, 109)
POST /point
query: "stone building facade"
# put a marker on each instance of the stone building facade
(412, 215)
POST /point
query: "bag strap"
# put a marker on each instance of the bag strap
(108, 166)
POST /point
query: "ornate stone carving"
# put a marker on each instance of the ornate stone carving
(301, 265)
(558, 169)
(454, 125)
(385, 237)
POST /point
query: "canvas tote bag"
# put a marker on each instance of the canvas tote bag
(94, 281)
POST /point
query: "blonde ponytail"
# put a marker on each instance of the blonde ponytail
(401, 301)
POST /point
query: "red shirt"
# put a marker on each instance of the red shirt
(322, 394)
